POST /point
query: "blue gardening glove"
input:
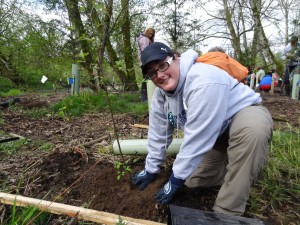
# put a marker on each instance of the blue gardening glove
(166, 194)
(143, 179)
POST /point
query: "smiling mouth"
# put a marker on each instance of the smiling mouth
(164, 81)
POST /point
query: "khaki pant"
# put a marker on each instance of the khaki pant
(236, 159)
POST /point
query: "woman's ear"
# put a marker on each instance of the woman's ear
(175, 56)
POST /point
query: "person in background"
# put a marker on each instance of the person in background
(265, 83)
(289, 56)
(259, 75)
(250, 72)
(227, 130)
(143, 40)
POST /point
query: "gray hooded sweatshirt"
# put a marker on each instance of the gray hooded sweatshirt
(205, 100)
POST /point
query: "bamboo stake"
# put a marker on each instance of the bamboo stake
(72, 211)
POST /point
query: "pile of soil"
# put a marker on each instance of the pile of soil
(79, 172)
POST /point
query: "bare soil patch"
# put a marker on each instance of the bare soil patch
(49, 174)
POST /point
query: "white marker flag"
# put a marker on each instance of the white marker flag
(44, 78)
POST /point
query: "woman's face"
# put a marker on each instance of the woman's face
(167, 73)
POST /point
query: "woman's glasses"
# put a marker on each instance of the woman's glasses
(151, 74)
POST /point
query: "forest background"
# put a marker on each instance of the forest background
(45, 37)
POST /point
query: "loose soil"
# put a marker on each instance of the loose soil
(62, 163)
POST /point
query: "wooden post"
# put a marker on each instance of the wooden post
(72, 211)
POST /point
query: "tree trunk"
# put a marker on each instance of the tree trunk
(130, 82)
(75, 19)
(235, 39)
(105, 36)
(113, 58)
(263, 43)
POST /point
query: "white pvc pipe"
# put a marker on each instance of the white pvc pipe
(296, 84)
(150, 90)
(139, 146)
(252, 79)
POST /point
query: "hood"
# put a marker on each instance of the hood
(186, 61)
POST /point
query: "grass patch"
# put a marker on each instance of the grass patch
(12, 146)
(121, 103)
(36, 113)
(46, 147)
(21, 216)
(279, 186)
(10, 93)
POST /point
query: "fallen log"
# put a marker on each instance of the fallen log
(96, 140)
(72, 211)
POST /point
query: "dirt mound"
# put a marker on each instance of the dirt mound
(94, 185)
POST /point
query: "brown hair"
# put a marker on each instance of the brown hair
(150, 33)
(216, 49)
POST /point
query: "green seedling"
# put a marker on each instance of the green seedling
(121, 221)
(122, 169)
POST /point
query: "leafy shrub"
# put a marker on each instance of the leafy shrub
(86, 102)
(5, 84)
(12, 92)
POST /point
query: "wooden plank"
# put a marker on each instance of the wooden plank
(72, 211)
(187, 216)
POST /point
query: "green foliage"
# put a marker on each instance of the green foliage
(77, 105)
(12, 146)
(122, 169)
(280, 181)
(36, 113)
(31, 47)
(5, 84)
(120, 221)
(21, 216)
(12, 92)
(121, 103)
(46, 147)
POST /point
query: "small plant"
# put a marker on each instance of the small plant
(46, 147)
(120, 221)
(62, 113)
(37, 113)
(21, 216)
(122, 169)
